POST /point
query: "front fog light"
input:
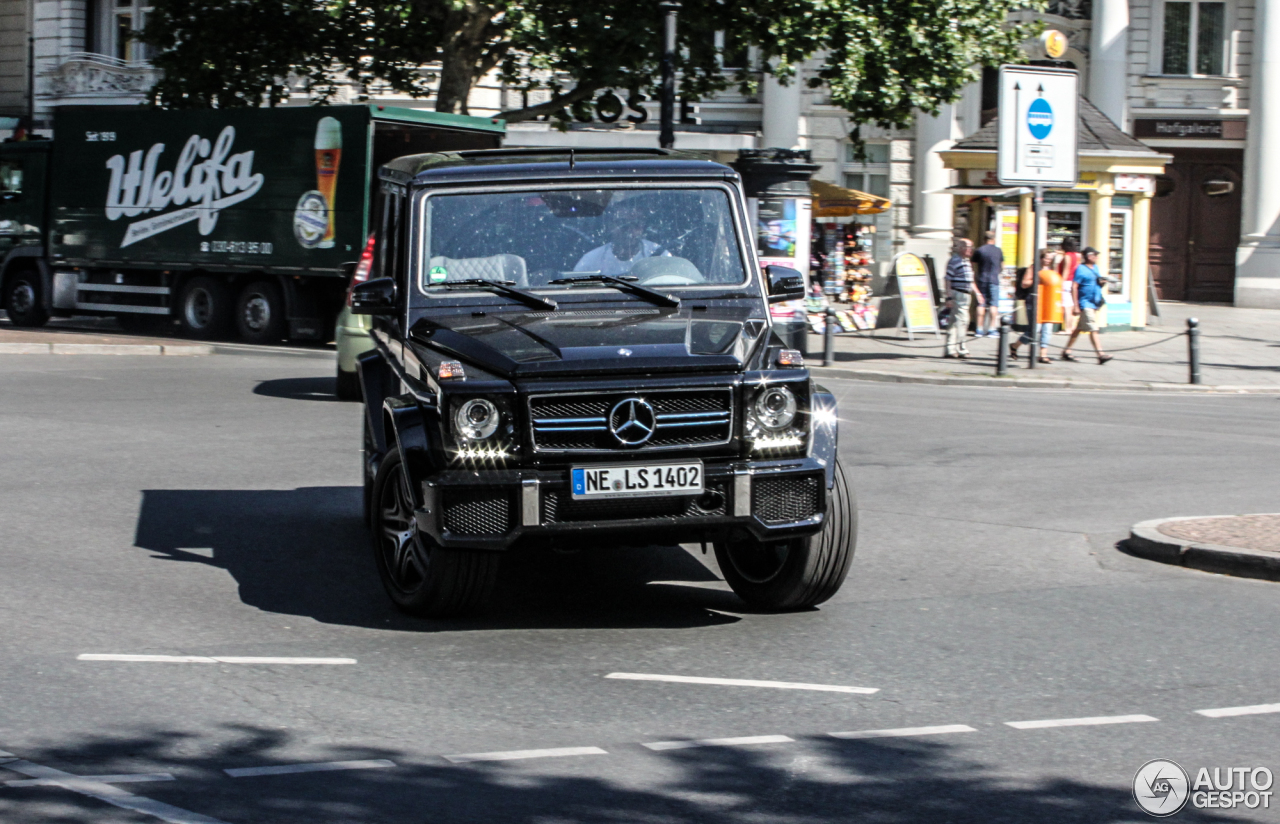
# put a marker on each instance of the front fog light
(775, 407)
(476, 419)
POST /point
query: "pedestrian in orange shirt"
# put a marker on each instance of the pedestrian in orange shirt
(1048, 304)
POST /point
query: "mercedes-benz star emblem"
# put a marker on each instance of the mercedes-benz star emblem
(632, 421)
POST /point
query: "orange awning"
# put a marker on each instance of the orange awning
(830, 200)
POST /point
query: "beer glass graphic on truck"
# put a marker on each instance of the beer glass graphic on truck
(328, 158)
(313, 217)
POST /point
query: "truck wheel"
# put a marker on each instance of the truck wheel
(24, 301)
(423, 579)
(349, 386)
(800, 573)
(204, 311)
(260, 313)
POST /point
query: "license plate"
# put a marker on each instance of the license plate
(637, 480)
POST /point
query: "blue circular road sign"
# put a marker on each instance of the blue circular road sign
(1040, 118)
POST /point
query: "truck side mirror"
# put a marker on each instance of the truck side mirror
(784, 284)
(374, 297)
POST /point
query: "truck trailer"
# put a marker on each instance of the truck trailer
(223, 221)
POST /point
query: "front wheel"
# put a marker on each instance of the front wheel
(423, 579)
(799, 573)
(24, 301)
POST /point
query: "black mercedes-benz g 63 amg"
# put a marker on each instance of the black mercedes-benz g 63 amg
(575, 348)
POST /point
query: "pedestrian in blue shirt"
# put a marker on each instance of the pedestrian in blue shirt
(988, 261)
(1087, 290)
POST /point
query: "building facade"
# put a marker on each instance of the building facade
(1200, 84)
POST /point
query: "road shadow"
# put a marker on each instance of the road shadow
(819, 781)
(300, 389)
(306, 552)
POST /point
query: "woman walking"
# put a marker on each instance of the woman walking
(1048, 304)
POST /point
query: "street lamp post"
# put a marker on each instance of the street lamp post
(667, 135)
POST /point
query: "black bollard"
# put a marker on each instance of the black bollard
(829, 338)
(1002, 354)
(1033, 329)
(1193, 348)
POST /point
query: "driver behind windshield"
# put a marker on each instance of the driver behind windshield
(627, 244)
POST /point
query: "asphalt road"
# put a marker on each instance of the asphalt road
(209, 507)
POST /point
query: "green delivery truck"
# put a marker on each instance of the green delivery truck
(225, 220)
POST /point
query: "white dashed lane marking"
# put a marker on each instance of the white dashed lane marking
(205, 659)
(1227, 712)
(740, 682)
(1080, 722)
(903, 732)
(517, 755)
(719, 742)
(324, 766)
(128, 778)
(104, 792)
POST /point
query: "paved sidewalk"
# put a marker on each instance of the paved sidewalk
(1239, 349)
(63, 338)
(1249, 531)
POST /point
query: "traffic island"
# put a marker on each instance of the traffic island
(1243, 545)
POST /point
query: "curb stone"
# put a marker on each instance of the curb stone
(1036, 383)
(1147, 541)
(104, 349)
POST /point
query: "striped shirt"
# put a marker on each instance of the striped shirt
(960, 274)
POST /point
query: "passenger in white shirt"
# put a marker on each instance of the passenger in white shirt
(626, 247)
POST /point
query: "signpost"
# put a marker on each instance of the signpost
(918, 311)
(1038, 143)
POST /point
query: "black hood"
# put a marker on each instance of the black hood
(597, 341)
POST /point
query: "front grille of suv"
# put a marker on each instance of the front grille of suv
(785, 499)
(478, 511)
(683, 417)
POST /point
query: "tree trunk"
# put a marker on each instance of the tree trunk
(468, 29)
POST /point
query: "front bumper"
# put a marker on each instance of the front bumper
(494, 508)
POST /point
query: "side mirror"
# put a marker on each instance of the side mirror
(784, 284)
(374, 297)
(349, 269)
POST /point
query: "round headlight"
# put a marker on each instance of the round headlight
(476, 419)
(775, 407)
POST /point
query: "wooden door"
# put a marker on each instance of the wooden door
(1195, 225)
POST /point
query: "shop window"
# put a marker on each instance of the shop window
(1118, 251)
(1195, 38)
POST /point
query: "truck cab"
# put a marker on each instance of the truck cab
(24, 219)
(575, 348)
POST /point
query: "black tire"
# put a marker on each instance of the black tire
(800, 573)
(204, 309)
(260, 313)
(421, 578)
(348, 386)
(24, 299)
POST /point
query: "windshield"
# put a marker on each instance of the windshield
(659, 237)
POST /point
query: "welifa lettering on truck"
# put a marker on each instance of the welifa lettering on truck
(223, 180)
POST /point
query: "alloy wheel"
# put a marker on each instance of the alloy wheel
(398, 536)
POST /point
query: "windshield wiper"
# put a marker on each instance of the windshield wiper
(505, 287)
(618, 283)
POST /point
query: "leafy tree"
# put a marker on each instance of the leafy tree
(881, 59)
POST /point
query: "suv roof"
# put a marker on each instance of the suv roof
(546, 163)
